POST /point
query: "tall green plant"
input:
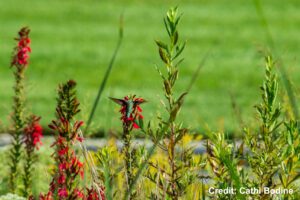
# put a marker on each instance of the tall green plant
(131, 119)
(173, 179)
(267, 144)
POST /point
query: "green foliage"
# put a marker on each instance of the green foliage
(272, 156)
(289, 172)
(106, 162)
(172, 179)
(67, 102)
(267, 144)
(225, 162)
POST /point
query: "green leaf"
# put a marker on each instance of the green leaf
(290, 138)
(179, 50)
(175, 38)
(167, 87)
(290, 164)
(140, 123)
(163, 55)
(181, 98)
(167, 27)
(161, 44)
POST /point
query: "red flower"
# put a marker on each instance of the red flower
(130, 110)
(93, 194)
(37, 135)
(62, 192)
(48, 196)
(61, 179)
(60, 140)
(33, 133)
(20, 57)
(80, 139)
(62, 166)
(139, 108)
(135, 125)
(24, 42)
(81, 174)
(78, 193)
(76, 162)
(63, 151)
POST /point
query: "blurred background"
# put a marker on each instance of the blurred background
(75, 40)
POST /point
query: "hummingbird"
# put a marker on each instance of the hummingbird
(129, 103)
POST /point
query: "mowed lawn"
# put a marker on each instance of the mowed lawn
(75, 40)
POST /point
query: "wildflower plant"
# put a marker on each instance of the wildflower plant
(131, 118)
(19, 63)
(274, 149)
(172, 179)
(267, 144)
(64, 184)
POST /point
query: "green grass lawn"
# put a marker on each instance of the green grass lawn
(75, 40)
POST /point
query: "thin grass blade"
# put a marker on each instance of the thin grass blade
(107, 73)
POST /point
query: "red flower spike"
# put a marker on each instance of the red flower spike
(65, 183)
(130, 110)
(20, 56)
(33, 133)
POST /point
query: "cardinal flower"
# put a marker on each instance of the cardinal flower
(62, 192)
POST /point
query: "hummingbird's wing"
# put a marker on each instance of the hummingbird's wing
(139, 101)
(118, 101)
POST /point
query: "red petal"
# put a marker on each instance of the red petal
(135, 126)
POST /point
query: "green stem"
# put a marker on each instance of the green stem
(127, 156)
(27, 179)
(15, 153)
(172, 164)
